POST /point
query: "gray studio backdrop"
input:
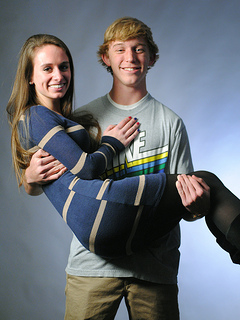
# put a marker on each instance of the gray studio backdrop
(197, 76)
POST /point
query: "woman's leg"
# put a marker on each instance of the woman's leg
(223, 219)
(113, 218)
(169, 211)
(107, 216)
(222, 240)
(224, 210)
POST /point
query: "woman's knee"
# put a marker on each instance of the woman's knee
(210, 178)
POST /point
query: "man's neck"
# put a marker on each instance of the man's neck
(127, 95)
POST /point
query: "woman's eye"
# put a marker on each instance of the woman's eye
(64, 68)
(47, 69)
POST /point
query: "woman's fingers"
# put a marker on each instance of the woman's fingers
(125, 131)
(126, 123)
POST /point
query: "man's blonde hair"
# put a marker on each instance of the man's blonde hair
(124, 29)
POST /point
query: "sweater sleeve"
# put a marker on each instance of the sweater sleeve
(67, 140)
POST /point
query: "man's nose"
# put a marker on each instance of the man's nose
(130, 55)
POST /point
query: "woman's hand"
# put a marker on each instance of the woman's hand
(125, 131)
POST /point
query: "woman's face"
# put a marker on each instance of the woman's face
(51, 75)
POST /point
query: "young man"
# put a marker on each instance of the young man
(147, 279)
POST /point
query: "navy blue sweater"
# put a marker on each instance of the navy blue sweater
(110, 218)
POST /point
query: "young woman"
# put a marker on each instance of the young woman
(110, 218)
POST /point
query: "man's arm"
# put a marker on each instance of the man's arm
(43, 168)
(194, 192)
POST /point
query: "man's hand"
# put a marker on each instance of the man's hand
(43, 168)
(195, 196)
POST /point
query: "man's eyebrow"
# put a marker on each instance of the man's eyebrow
(118, 44)
(137, 44)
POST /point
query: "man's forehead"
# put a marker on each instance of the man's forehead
(130, 42)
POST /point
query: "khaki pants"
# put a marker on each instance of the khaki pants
(99, 299)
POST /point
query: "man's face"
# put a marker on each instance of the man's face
(129, 61)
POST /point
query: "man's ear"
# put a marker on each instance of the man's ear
(105, 59)
(152, 60)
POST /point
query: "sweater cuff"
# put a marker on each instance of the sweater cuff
(115, 143)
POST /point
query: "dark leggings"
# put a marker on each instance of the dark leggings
(223, 219)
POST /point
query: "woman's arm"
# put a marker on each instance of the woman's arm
(66, 141)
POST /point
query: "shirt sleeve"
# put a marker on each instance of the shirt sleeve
(52, 132)
(180, 154)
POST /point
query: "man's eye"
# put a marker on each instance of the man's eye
(139, 50)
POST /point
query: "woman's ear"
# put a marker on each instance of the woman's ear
(31, 80)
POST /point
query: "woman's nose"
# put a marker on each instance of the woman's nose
(57, 74)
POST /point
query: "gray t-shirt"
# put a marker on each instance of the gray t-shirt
(162, 145)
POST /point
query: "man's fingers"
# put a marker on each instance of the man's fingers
(181, 192)
(187, 187)
(53, 168)
(40, 153)
(193, 186)
(201, 182)
(196, 194)
(191, 192)
(52, 174)
(48, 165)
